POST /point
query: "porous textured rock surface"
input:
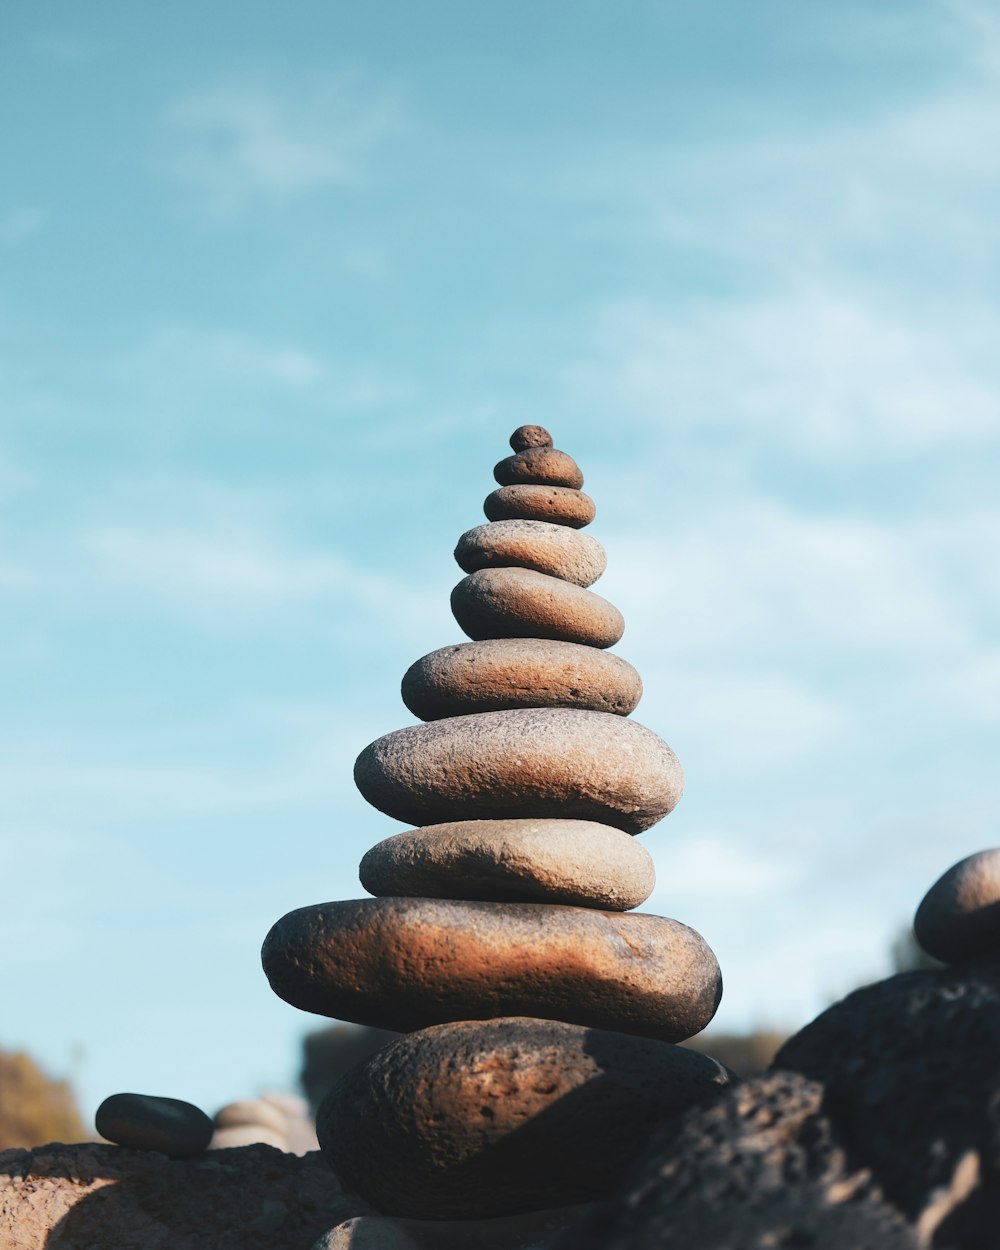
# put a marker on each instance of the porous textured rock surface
(558, 504)
(911, 1068)
(95, 1197)
(577, 862)
(527, 762)
(149, 1122)
(761, 1168)
(539, 466)
(554, 549)
(407, 963)
(473, 1119)
(959, 917)
(520, 603)
(497, 674)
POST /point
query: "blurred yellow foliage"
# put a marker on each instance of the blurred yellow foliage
(35, 1110)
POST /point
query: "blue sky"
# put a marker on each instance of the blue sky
(276, 286)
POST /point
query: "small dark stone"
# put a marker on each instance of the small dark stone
(146, 1122)
(526, 436)
(959, 917)
(760, 1168)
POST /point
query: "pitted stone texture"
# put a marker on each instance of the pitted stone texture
(148, 1122)
(528, 762)
(539, 466)
(912, 1078)
(501, 673)
(760, 1168)
(558, 504)
(577, 862)
(407, 963)
(554, 549)
(959, 917)
(520, 603)
(474, 1119)
(526, 436)
(534, 1230)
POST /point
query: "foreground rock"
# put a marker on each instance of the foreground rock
(761, 1168)
(147, 1122)
(93, 1196)
(959, 917)
(476, 1119)
(911, 1070)
(407, 963)
(524, 763)
(576, 862)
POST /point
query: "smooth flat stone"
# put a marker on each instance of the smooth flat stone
(577, 862)
(554, 549)
(959, 917)
(520, 603)
(484, 1119)
(558, 504)
(235, 1135)
(253, 1111)
(539, 466)
(147, 1122)
(527, 762)
(407, 963)
(500, 673)
(533, 1230)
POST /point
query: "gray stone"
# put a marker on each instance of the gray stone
(760, 1168)
(148, 1122)
(558, 504)
(528, 762)
(539, 466)
(540, 545)
(520, 603)
(484, 1119)
(911, 1078)
(959, 917)
(577, 862)
(407, 963)
(501, 673)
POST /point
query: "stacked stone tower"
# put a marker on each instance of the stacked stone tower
(539, 1012)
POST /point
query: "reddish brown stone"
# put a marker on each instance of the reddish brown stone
(500, 673)
(406, 963)
(474, 1119)
(526, 436)
(539, 466)
(520, 603)
(554, 549)
(541, 503)
(527, 762)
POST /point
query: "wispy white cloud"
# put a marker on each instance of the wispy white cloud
(234, 144)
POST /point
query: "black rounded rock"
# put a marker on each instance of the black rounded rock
(488, 1118)
(147, 1122)
(959, 916)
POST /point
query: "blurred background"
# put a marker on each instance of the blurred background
(276, 285)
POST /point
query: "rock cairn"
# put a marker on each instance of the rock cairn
(539, 1013)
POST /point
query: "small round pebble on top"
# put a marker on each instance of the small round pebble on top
(959, 917)
(526, 436)
(147, 1122)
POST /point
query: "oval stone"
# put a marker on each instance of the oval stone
(500, 673)
(539, 466)
(406, 963)
(251, 1111)
(485, 1119)
(527, 762)
(959, 917)
(520, 603)
(147, 1122)
(577, 862)
(526, 436)
(541, 503)
(539, 545)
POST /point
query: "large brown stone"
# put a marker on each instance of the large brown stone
(577, 862)
(539, 466)
(558, 504)
(520, 603)
(406, 963)
(528, 762)
(554, 549)
(500, 673)
(474, 1119)
(959, 917)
